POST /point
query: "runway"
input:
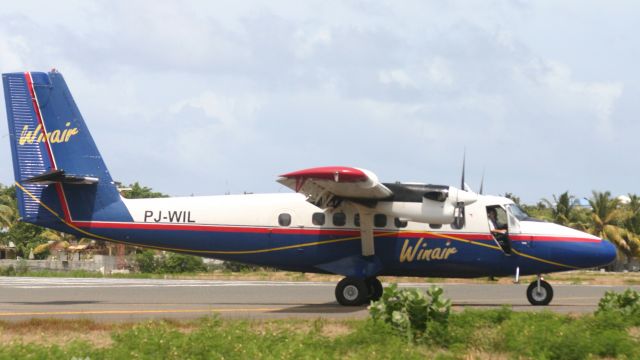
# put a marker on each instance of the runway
(107, 299)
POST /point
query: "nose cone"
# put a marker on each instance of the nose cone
(608, 253)
(592, 254)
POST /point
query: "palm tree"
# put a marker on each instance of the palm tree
(6, 216)
(562, 208)
(633, 222)
(606, 218)
(8, 209)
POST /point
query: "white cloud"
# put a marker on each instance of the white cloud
(211, 122)
(232, 113)
(439, 72)
(396, 76)
(307, 41)
(598, 98)
(14, 49)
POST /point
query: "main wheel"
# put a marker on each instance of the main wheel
(541, 296)
(375, 289)
(352, 292)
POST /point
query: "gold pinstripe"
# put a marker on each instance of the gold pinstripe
(288, 247)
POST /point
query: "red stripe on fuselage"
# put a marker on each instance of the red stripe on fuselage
(285, 231)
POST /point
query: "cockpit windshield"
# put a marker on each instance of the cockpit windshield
(518, 212)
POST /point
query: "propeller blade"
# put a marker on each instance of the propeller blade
(464, 156)
(482, 182)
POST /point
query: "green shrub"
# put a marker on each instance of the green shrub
(22, 268)
(180, 263)
(234, 266)
(626, 304)
(147, 262)
(171, 263)
(7, 271)
(413, 314)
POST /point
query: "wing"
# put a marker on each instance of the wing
(324, 185)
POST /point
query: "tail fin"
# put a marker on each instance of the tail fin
(59, 173)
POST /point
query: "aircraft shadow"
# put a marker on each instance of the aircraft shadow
(52, 302)
(331, 308)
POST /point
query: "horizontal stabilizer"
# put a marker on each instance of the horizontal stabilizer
(59, 176)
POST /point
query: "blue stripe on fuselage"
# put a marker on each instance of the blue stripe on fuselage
(436, 256)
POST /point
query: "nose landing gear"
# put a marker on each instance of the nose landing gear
(354, 292)
(539, 292)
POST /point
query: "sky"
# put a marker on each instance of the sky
(206, 98)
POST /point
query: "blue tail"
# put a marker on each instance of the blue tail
(59, 173)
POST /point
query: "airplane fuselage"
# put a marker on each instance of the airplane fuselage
(249, 228)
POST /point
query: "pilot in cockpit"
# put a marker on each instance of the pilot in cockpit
(499, 231)
(494, 227)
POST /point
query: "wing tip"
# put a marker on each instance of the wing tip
(336, 173)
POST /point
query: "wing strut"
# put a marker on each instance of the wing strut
(366, 230)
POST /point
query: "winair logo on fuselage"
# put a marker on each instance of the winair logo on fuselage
(54, 137)
(420, 252)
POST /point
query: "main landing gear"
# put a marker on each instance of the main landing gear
(353, 292)
(539, 292)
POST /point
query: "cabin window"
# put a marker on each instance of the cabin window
(356, 220)
(435, 226)
(400, 223)
(318, 218)
(284, 219)
(380, 220)
(339, 219)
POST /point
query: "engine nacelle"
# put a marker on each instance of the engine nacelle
(436, 212)
(439, 205)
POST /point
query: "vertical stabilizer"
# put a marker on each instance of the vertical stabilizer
(59, 171)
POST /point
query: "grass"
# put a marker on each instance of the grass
(500, 333)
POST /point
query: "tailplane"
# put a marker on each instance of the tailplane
(59, 173)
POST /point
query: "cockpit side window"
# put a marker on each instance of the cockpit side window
(497, 217)
(497, 220)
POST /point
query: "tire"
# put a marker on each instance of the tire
(375, 289)
(352, 292)
(541, 298)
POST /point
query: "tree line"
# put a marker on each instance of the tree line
(606, 217)
(37, 241)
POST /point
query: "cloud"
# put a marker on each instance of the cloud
(400, 88)
(396, 76)
(307, 41)
(229, 115)
(14, 49)
(598, 97)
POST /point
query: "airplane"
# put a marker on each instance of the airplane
(338, 219)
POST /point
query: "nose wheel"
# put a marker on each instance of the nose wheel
(355, 292)
(539, 292)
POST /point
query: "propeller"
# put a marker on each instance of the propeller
(464, 158)
(458, 220)
(464, 196)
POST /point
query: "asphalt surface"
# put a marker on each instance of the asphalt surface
(23, 298)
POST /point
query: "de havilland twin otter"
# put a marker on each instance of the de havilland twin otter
(340, 220)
